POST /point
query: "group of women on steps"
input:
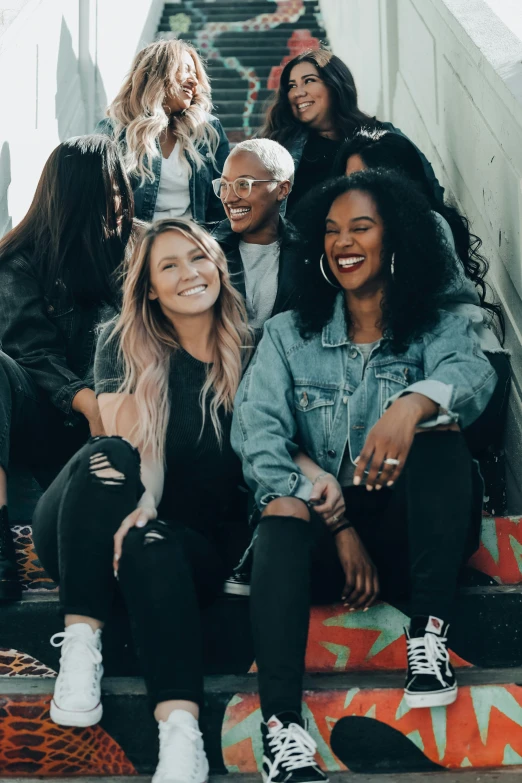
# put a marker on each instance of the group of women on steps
(172, 342)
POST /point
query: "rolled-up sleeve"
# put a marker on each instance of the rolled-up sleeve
(31, 338)
(458, 376)
(264, 426)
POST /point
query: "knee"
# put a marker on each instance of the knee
(141, 545)
(111, 461)
(287, 507)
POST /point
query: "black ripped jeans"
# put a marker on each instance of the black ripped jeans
(418, 534)
(167, 571)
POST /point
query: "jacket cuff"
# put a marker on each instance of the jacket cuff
(63, 398)
(298, 486)
(438, 392)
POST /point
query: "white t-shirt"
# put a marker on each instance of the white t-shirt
(173, 192)
(261, 265)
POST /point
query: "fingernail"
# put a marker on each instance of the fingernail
(365, 610)
(116, 556)
(115, 574)
(389, 484)
(369, 487)
(357, 481)
(352, 610)
(378, 486)
(141, 523)
(356, 460)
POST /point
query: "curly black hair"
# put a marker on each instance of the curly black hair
(384, 149)
(423, 263)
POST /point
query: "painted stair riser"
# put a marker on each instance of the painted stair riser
(486, 632)
(499, 554)
(360, 729)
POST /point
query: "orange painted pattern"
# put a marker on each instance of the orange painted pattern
(500, 551)
(482, 729)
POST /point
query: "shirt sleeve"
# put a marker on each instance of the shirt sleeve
(109, 368)
(458, 376)
(264, 427)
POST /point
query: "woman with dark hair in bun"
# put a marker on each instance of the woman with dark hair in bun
(314, 110)
(373, 381)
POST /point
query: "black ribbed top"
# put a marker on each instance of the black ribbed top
(201, 477)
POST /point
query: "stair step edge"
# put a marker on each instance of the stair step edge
(247, 683)
(489, 775)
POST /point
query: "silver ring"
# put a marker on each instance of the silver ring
(336, 519)
(392, 461)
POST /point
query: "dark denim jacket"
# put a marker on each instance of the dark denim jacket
(288, 258)
(204, 204)
(296, 145)
(52, 338)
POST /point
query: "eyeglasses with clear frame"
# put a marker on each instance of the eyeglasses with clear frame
(242, 186)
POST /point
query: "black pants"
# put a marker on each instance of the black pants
(418, 534)
(167, 571)
(487, 431)
(32, 430)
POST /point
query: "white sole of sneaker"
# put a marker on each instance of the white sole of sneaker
(431, 699)
(265, 778)
(78, 719)
(232, 589)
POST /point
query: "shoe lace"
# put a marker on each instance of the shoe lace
(426, 652)
(293, 748)
(184, 762)
(76, 655)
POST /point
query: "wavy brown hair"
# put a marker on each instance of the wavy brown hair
(147, 340)
(138, 115)
(280, 123)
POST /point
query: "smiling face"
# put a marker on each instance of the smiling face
(183, 279)
(250, 215)
(309, 97)
(183, 85)
(353, 241)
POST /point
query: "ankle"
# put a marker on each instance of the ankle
(78, 619)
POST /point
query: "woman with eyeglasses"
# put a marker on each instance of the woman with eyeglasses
(172, 145)
(259, 244)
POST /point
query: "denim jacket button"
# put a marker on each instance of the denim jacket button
(345, 399)
(353, 353)
(303, 402)
(332, 453)
(50, 309)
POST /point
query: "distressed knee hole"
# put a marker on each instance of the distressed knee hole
(102, 471)
(151, 536)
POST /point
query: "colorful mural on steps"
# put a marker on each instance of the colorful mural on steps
(482, 729)
(286, 12)
(31, 744)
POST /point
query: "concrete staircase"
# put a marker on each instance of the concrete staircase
(353, 690)
(245, 45)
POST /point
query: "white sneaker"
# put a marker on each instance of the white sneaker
(77, 693)
(182, 757)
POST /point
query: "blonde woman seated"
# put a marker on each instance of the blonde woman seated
(152, 510)
(173, 147)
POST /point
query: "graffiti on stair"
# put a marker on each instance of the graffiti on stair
(482, 729)
(500, 551)
(287, 12)
(32, 574)
(14, 663)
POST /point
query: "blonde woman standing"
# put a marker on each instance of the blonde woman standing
(173, 147)
(152, 510)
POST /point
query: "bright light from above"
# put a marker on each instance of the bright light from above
(510, 13)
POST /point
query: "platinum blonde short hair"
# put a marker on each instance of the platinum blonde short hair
(274, 157)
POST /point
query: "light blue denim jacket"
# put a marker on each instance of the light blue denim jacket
(314, 395)
(204, 204)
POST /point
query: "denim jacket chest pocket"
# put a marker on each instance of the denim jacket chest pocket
(60, 310)
(314, 407)
(394, 376)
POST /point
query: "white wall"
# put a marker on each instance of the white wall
(449, 74)
(61, 61)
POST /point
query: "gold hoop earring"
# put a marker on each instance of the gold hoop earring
(325, 275)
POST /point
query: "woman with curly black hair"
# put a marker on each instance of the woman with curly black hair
(371, 148)
(314, 110)
(374, 382)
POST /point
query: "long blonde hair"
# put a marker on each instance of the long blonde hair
(147, 340)
(138, 109)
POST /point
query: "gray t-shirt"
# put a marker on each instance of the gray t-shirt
(261, 265)
(347, 469)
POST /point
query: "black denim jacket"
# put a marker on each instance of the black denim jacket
(288, 262)
(52, 337)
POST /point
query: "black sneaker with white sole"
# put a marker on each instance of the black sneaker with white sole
(431, 680)
(288, 751)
